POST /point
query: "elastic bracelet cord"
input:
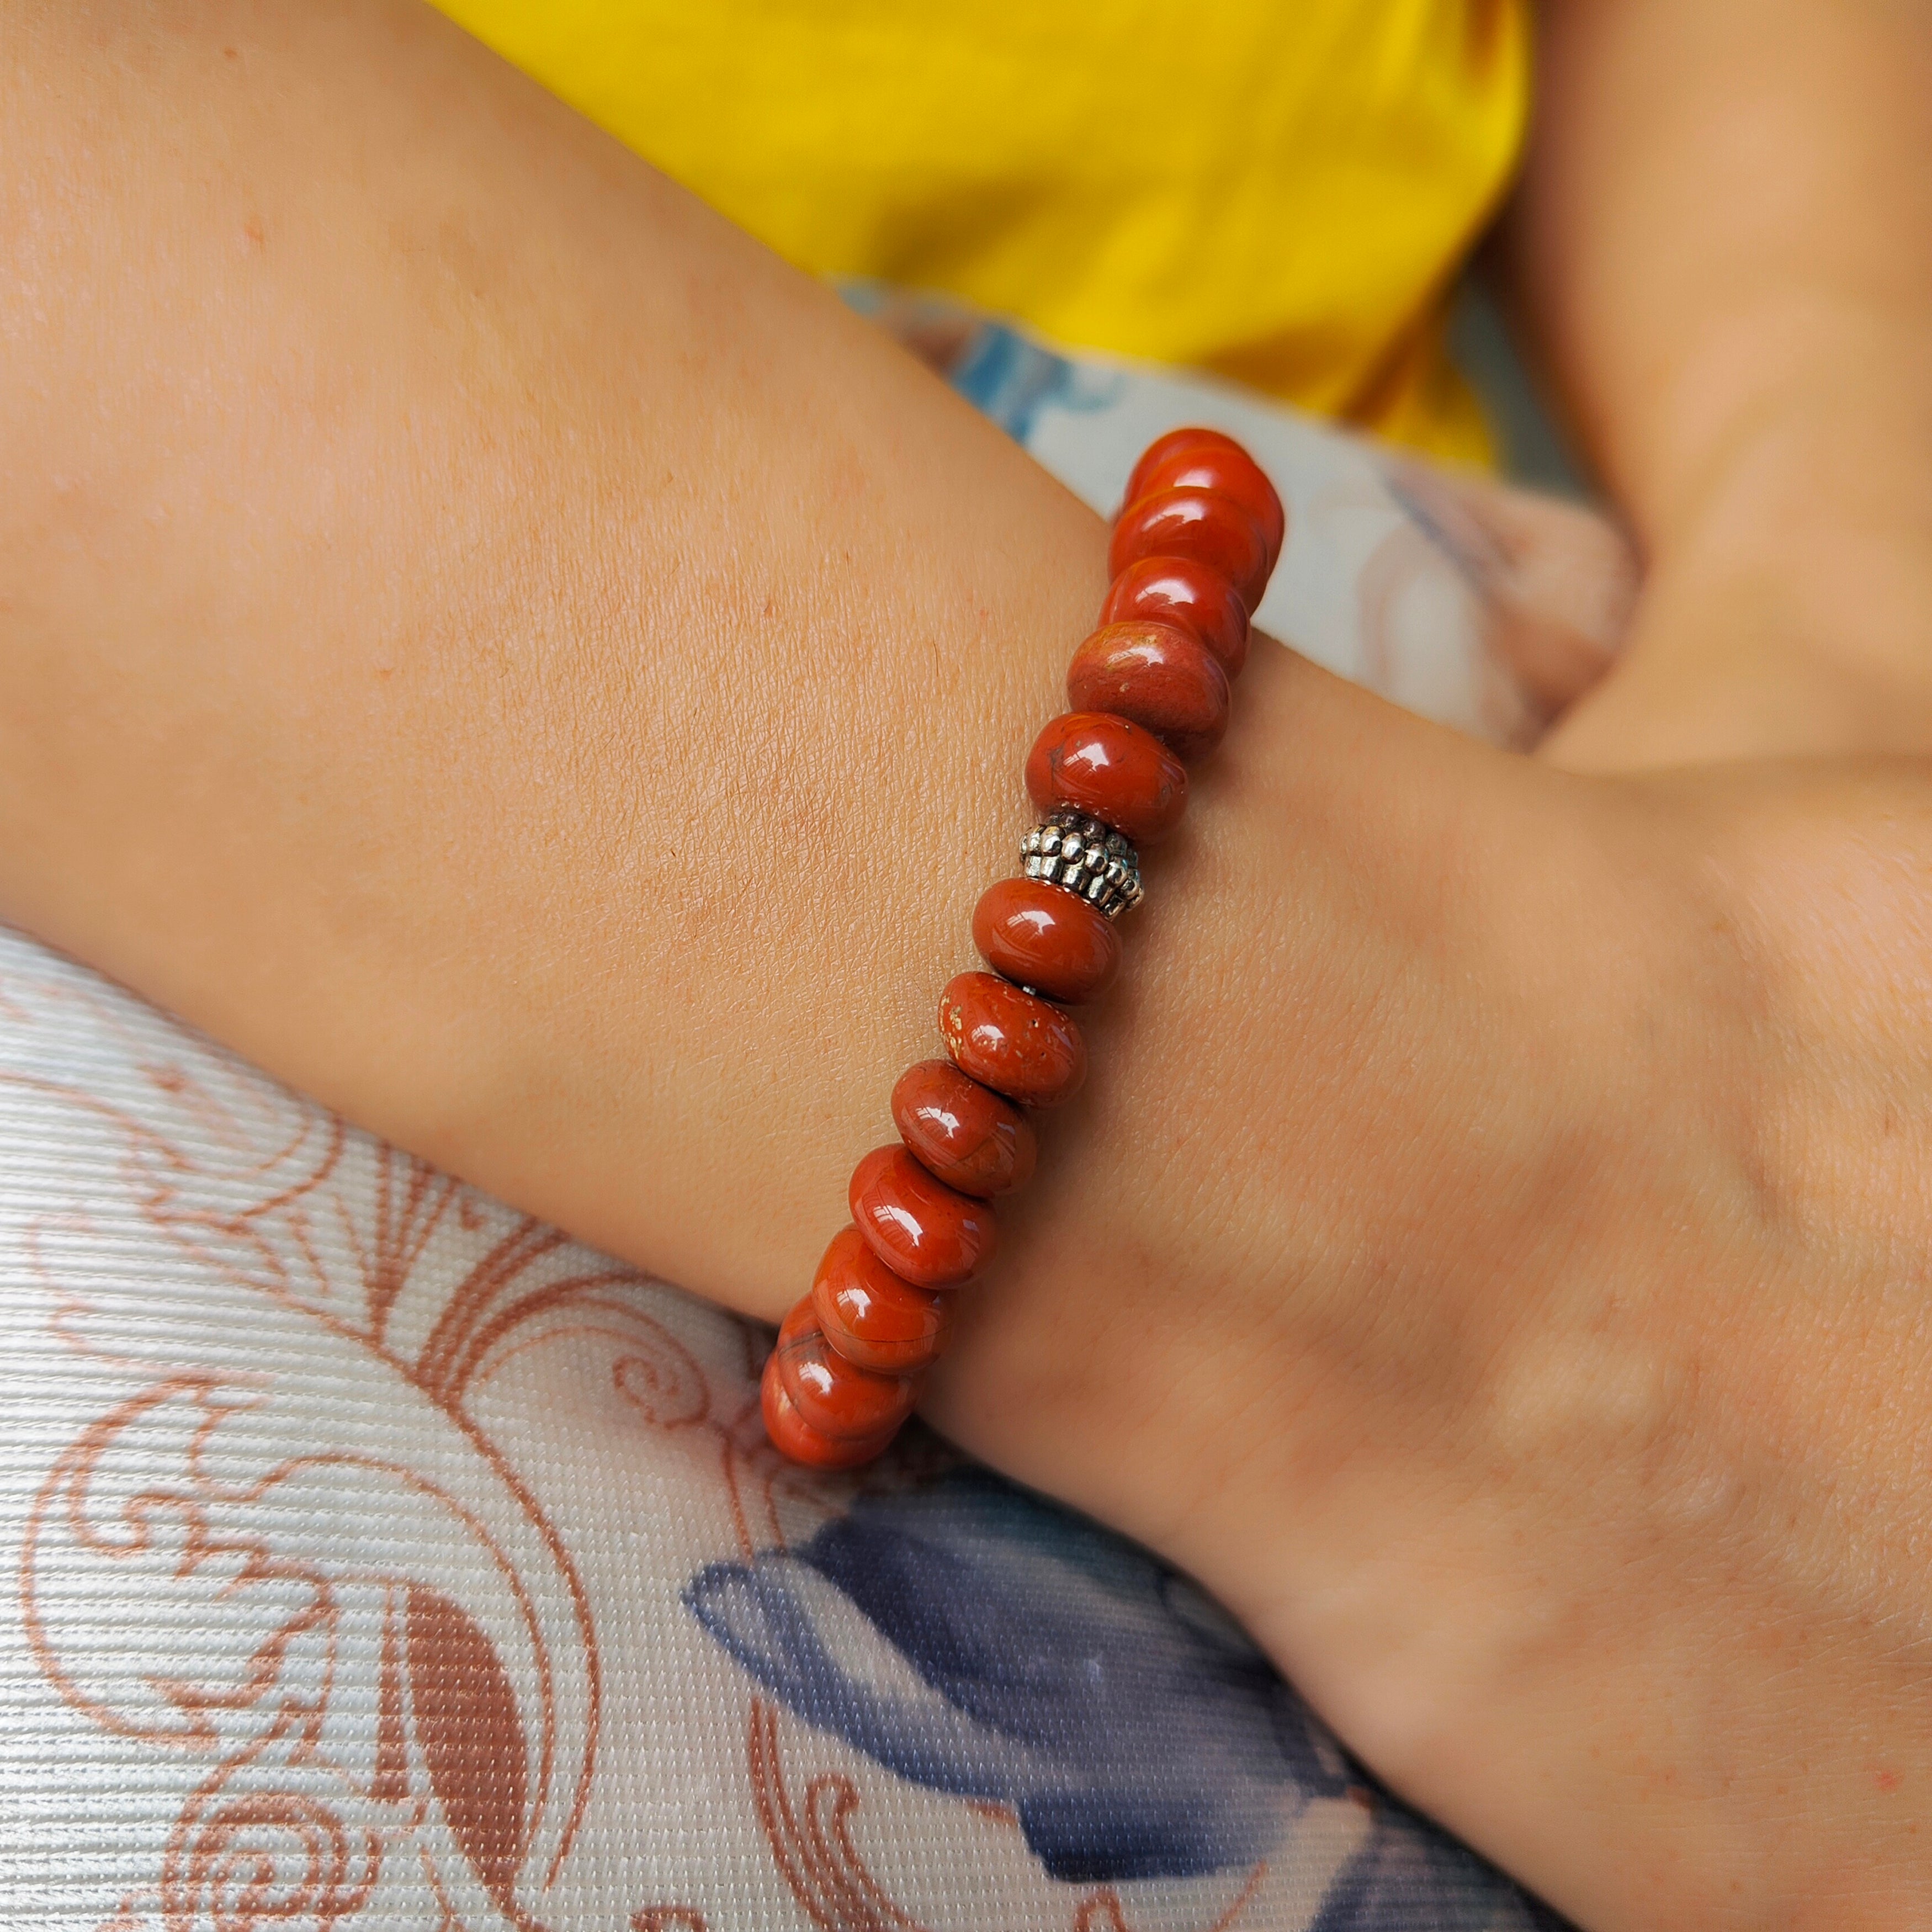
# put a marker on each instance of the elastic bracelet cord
(1191, 555)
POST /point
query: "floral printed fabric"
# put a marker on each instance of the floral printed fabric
(376, 1557)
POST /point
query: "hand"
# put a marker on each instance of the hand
(1493, 1258)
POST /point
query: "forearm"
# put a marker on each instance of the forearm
(1720, 246)
(471, 613)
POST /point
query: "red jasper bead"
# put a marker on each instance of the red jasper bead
(1156, 675)
(1163, 449)
(870, 1317)
(1204, 459)
(970, 1138)
(1048, 938)
(1124, 776)
(796, 1440)
(836, 1397)
(1213, 529)
(1179, 591)
(1011, 1040)
(922, 1230)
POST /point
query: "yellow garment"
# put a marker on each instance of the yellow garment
(1277, 189)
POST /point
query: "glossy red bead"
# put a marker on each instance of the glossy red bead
(1189, 437)
(1179, 591)
(929, 1234)
(870, 1316)
(795, 1439)
(835, 1396)
(1204, 459)
(1040, 935)
(1212, 528)
(1157, 676)
(1011, 1040)
(970, 1138)
(1110, 767)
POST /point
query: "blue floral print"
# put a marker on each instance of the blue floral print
(982, 1642)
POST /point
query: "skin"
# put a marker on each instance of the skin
(1719, 248)
(470, 618)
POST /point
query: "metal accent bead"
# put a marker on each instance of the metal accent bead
(1081, 855)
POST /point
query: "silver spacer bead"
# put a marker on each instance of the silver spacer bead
(1081, 855)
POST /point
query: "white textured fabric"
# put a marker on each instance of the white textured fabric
(374, 1556)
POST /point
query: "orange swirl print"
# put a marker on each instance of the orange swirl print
(267, 1857)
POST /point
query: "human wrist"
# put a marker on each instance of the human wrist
(1272, 1162)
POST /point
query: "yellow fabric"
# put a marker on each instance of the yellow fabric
(1277, 189)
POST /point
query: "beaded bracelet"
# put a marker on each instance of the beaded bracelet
(1191, 554)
